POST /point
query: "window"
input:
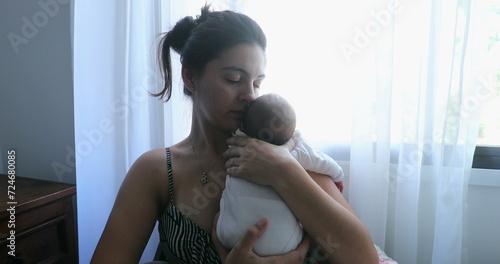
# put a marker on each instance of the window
(487, 155)
(330, 96)
(489, 133)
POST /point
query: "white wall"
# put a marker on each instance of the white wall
(484, 217)
(36, 87)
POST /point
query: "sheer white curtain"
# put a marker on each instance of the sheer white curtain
(401, 83)
(116, 120)
(415, 131)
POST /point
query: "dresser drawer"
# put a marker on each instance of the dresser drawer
(42, 220)
(27, 219)
(44, 243)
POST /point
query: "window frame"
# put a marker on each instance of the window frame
(486, 157)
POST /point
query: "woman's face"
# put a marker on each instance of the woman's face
(228, 84)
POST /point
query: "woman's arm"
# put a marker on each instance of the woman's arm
(134, 213)
(323, 211)
(342, 237)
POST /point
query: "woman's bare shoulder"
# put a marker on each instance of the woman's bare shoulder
(138, 205)
(148, 172)
(151, 163)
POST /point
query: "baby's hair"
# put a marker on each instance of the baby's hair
(201, 40)
(270, 118)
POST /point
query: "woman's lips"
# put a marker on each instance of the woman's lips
(239, 113)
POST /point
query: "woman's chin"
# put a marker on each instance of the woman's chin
(233, 127)
(229, 124)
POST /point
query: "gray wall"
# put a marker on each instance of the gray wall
(36, 88)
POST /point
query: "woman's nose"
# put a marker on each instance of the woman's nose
(248, 95)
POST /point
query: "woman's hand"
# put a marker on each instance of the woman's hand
(256, 160)
(242, 252)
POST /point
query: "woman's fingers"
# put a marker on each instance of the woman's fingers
(295, 256)
(232, 167)
(240, 152)
(231, 152)
(243, 250)
(301, 250)
(237, 141)
(237, 156)
(232, 162)
(252, 234)
(256, 160)
(233, 171)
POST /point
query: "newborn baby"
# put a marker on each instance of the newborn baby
(270, 118)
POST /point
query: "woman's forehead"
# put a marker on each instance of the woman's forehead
(243, 58)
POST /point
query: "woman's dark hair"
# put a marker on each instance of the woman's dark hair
(201, 40)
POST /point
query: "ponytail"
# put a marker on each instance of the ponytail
(175, 39)
(202, 39)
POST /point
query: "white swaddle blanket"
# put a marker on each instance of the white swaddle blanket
(244, 203)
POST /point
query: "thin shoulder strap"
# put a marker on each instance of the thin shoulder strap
(170, 177)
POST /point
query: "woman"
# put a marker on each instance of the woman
(223, 61)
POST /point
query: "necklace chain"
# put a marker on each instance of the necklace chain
(204, 178)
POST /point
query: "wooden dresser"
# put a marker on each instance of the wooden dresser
(44, 222)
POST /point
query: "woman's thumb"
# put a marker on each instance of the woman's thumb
(252, 234)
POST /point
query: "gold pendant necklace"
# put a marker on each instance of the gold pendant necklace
(204, 178)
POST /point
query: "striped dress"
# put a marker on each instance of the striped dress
(183, 240)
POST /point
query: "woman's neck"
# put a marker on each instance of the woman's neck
(208, 140)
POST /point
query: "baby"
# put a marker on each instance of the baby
(270, 118)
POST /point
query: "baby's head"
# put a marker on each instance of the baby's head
(270, 118)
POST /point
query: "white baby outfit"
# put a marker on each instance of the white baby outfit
(244, 203)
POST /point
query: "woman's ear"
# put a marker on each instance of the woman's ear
(189, 76)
